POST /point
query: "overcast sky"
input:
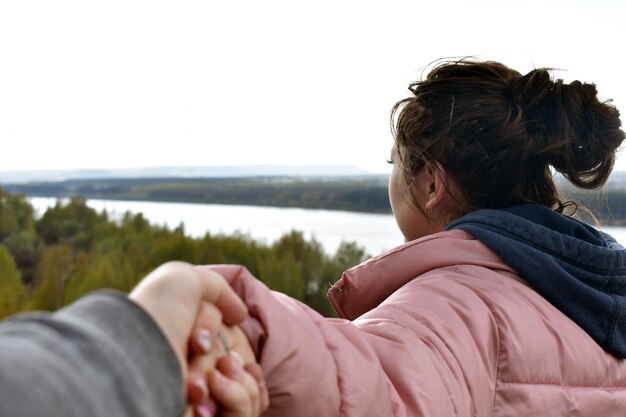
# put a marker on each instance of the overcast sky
(107, 84)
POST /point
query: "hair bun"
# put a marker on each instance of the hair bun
(568, 127)
(530, 89)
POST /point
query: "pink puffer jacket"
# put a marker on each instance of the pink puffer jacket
(436, 327)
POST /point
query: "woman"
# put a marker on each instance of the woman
(500, 303)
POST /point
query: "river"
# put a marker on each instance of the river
(375, 232)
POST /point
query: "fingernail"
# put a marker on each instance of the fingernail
(236, 356)
(200, 383)
(237, 365)
(204, 339)
(206, 409)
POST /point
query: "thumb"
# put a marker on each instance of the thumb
(216, 290)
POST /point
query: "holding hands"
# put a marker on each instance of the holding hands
(198, 313)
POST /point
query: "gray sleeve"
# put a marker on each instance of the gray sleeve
(101, 356)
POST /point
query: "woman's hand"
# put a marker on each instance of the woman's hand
(239, 390)
(234, 380)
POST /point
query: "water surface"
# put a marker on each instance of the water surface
(375, 232)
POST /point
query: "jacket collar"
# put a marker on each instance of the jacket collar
(365, 286)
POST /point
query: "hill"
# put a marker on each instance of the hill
(226, 171)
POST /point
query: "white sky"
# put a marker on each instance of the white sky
(130, 83)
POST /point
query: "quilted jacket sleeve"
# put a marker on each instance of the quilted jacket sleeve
(404, 358)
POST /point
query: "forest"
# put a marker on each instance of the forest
(364, 194)
(71, 249)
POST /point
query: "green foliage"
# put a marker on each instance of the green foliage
(18, 234)
(16, 214)
(12, 290)
(53, 273)
(282, 272)
(72, 250)
(172, 246)
(72, 223)
(106, 270)
(25, 247)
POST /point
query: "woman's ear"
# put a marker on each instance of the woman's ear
(435, 186)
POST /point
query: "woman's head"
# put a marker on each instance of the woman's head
(495, 134)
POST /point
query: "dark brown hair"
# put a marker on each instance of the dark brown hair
(497, 133)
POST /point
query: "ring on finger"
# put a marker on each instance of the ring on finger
(225, 342)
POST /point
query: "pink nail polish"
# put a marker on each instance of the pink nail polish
(237, 367)
(206, 409)
(204, 339)
(200, 383)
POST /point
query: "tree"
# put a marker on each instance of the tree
(310, 258)
(282, 272)
(16, 214)
(12, 291)
(52, 275)
(73, 222)
(25, 247)
(106, 270)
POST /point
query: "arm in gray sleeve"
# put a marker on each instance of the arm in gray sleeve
(100, 356)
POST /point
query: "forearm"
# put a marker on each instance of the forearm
(385, 363)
